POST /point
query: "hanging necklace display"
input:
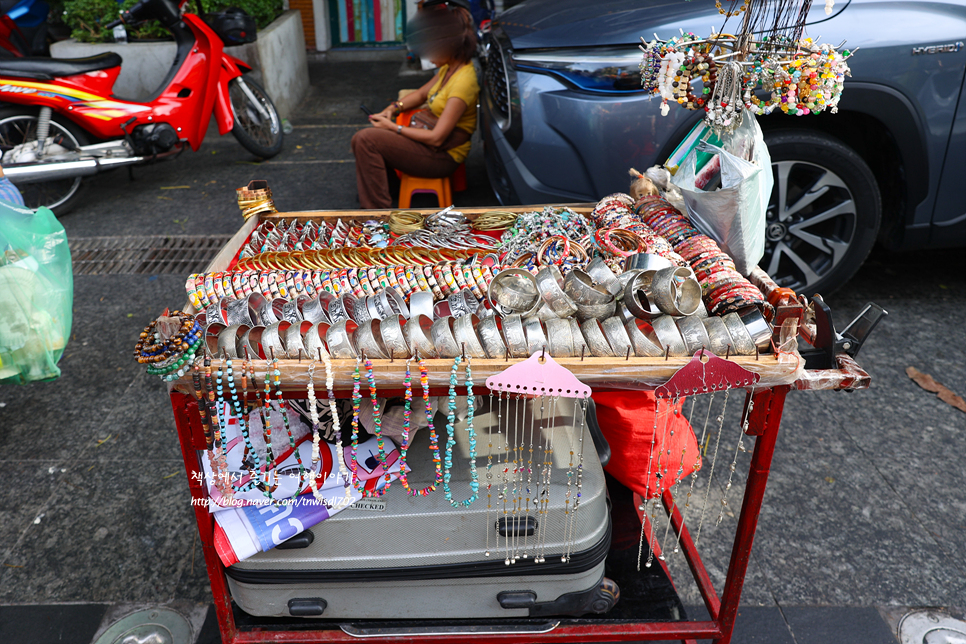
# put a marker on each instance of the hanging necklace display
(433, 438)
(451, 433)
(377, 430)
(538, 377)
(704, 374)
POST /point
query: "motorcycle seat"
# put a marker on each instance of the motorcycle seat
(42, 68)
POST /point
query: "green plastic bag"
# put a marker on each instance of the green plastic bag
(36, 294)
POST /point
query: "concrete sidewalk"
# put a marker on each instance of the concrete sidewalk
(865, 513)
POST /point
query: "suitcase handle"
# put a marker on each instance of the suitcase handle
(518, 527)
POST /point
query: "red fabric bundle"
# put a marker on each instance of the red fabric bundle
(626, 419)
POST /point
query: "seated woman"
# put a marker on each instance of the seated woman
(445, 35)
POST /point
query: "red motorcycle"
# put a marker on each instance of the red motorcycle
(59, 121)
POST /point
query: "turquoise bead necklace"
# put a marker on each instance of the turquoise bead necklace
(450, 434)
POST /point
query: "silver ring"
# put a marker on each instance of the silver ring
(421, 303)
(465, 333)
(582, 289)
(616, 336)
(514, 336)
(340, 309)
(596, 311)
(513, 290)
(601, 273)
(596, 342)
(393, 338)
(560, 342)
(758, 328)
(339, 339)
(636, 297)
(550, 283)
(744, 344)
(443, 338)
(669, 336)
(694, 334)
(644, 346)
(675, 291)
(719, 336)
(580, 345)
(368, 341)
(418, 335)
(314, 341)
(536, 338)
(491, 338)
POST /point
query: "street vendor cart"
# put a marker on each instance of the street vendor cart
(803, 352)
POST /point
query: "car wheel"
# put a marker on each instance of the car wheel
(824, 212)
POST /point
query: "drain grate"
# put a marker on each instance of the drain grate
(151, 254)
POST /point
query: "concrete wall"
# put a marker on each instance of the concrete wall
(278, 57)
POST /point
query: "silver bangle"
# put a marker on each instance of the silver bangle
(292, 339)
(644, 346)
(315, 309)
(391, 331)
(636, 297)
(536, 338)
(250, 341)
(622, 312)
(237, 313)
(550, 283)
(675, 291)
(694, 334)
(314, 341)
(646, 262)
(260, 310)
(462, 303)
(341, 308)
(490, 336)
(744, 344)
(228, 340)
(545, 313)
(272, 341)
(616, 336)
(560, 342)
(421, 303)
(443, 339)
(368, 341)
(513, 290)
(719, 336)
(583, 290)
(758, 328)
(596, 311)
(669, 336)
(418, 335)
(339, 340)
(464, 330)
(397, 304)
(596, 342)
(601, 274)
(514, 336)
(580, 344)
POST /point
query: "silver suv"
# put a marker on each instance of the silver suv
(564, 117)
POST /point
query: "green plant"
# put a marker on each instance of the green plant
(87, 17)
(263, 11)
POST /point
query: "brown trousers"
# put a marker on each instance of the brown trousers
(378, 151)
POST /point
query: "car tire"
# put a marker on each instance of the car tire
(824, 212)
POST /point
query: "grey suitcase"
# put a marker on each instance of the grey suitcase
(406, 557)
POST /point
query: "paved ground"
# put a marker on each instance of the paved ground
(865, 513)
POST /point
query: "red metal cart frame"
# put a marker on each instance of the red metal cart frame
(764, 423)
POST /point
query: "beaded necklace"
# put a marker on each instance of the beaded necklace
(314, 416)
(450, 433)
(433, 438)
(265, 485)
(283, 408)
(377, 422)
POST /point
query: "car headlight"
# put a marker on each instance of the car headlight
(598, 69)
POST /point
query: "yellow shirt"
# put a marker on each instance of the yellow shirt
(464, 86)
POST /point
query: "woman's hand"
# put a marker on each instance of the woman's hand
(382, 122)
(388, 112)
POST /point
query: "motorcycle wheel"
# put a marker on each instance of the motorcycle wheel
(18, 125)
(259, 135)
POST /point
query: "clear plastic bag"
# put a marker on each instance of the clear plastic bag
(734, 214)
(36, 294)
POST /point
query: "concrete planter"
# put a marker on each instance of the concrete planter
(278, 57)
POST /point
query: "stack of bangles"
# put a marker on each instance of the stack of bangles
(723, 288)
(167, 358)
(353, 257)
(442, 279)
(255, 202)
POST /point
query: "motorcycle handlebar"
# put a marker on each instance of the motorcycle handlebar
(116, 23)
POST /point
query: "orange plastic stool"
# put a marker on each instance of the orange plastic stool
(409, 185)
